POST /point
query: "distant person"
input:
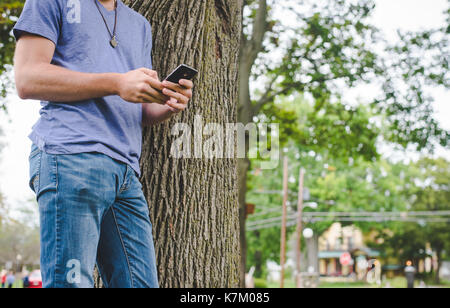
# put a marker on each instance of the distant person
(3, 278)
(26, 282)
(10, 280)
(410, 273)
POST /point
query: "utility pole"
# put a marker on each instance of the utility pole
(283, 223)
(299, 226)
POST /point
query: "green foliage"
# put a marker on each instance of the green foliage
(434, 195)
(338, 186)
(261, 283)
(335, 47)
(417, 61)
(331, 174)
(19, 235)
(9, 11)
(19, 238)
(429, 190)
(3, 210)
(336, 130)
(342, 179)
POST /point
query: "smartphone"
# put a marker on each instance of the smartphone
(182, 72)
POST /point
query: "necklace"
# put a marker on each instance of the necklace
(114, 43)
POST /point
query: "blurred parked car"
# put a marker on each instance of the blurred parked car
(36, 280)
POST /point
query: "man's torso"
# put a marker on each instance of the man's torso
(106, 125)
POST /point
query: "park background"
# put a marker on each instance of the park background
(360, 89)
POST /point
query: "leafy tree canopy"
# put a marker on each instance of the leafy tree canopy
(9, 11)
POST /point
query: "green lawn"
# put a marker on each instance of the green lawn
(345, 285)
(18, 284)
(396, 283)
(291, 284)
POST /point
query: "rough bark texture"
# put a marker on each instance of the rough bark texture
(194, 202)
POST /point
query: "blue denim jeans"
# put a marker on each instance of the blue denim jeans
(92, 211)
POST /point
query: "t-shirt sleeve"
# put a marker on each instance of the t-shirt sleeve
(148, 46)
(40, 17)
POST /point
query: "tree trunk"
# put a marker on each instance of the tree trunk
(258, 259)
(249, 50)
(194, 202)
(244, 117)
(439, 265)
(243, 166)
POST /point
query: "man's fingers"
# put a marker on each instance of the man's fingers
(148, 99)
(156, 94)
(187, 83)
(155, 84)
(173, 86)
(178, 96)
(178, 88)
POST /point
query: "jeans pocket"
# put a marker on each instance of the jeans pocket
(35, 166)
(34, 151)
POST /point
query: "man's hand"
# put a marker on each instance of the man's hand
(180, 94)
(142, 86)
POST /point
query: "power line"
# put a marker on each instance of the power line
(293, 222)
(352, 214)
(418, 217)
(423, 213)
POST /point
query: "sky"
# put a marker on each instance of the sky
(389, 16)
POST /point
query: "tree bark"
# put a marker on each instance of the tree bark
(194, 202)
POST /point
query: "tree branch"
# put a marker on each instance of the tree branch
(267, 97)
(254, 45)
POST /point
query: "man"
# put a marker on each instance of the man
(10, 280)
(89, 62)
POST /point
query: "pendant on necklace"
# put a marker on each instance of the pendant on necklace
(114, 43)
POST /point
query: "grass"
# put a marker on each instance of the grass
(18, 284)
(445, 283)
(345, 285)
(335, 285)
(396, 283)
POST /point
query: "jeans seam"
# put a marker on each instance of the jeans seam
(58, 240)
(38, 175)
(124, 247)
(35, 152)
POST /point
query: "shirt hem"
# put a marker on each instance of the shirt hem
(93, 148)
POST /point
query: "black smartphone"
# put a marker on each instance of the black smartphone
(182, 72)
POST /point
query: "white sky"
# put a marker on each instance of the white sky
(389, 16)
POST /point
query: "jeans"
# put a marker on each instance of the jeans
(92, 211)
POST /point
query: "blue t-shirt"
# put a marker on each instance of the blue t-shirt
(106, 125)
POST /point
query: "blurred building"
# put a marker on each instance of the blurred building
(445, 271)
(339, 243)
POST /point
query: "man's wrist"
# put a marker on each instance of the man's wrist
(113, 82)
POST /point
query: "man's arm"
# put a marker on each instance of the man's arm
(37, 78)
